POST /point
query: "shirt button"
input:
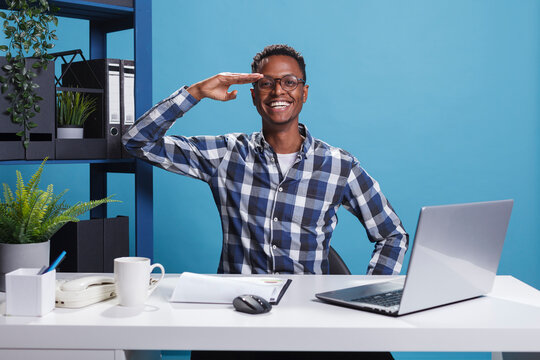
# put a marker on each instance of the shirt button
(274, 247)
(272, 159)
(275, 219)
(280, 189)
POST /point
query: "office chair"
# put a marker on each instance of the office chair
(336, 264)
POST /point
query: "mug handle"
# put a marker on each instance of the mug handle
(154, 285)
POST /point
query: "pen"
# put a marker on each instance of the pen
(56, 262)
(42, 270)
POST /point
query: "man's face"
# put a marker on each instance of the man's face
(278, 106)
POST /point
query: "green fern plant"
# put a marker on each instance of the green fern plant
(32, 215)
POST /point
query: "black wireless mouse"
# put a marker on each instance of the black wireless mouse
(251, 304)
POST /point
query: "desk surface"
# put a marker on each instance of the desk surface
(508, 319)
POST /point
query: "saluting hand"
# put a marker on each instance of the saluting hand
(217, 87)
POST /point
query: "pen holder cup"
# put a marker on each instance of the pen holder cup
(29, 294)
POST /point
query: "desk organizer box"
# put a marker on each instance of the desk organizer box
(43, 136)
(92, 245)
(29, 294)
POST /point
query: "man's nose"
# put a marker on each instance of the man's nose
(277, 88)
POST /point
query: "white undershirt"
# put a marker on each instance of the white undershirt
(286, 161)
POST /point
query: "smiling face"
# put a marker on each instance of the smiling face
(276, 106)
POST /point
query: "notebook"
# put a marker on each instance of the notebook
(455, 255)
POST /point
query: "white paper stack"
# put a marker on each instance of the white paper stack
(197, 288)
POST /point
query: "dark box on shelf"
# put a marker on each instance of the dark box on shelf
(41, 137)
(91, 245)
(116, 106)
(72, 149)
(105, 122)
(11, 149)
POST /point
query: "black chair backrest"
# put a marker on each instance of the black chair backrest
(336, 263)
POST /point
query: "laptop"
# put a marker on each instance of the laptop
(455, 255)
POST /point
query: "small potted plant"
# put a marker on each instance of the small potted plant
(28, 218)
(72, 110)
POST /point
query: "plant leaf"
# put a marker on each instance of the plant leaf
(33, 215)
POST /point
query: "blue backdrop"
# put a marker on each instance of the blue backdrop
(438, 101)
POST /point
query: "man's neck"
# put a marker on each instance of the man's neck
(284, 140)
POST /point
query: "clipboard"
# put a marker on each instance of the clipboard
(282, 292)
(213, 289)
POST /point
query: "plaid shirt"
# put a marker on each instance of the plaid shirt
(272, 222)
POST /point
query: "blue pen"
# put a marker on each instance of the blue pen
(56, 262)
(42, 270)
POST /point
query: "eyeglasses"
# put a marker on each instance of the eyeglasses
(288, 83)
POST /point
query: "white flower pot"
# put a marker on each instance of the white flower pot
(15, 256)
(69, 133)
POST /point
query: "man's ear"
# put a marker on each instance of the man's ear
(253, 96)
(305, 93)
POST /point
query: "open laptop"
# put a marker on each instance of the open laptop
(455, 255)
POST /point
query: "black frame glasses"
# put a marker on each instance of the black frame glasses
(287, 83)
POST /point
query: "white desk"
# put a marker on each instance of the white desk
(508, 320)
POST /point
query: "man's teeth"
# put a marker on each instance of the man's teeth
(279, 104)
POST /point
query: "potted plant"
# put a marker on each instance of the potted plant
(27, 28)
(72, 110)
(28, 218)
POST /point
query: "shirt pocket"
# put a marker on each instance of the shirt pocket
(312, 205)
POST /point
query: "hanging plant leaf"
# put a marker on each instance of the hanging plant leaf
(27, 27)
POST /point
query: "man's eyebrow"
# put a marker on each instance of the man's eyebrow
(278, 77)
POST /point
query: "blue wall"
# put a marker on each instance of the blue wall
(438, 100)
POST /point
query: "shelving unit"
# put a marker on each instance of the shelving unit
(107, 16)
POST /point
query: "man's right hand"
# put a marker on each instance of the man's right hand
(217, 87)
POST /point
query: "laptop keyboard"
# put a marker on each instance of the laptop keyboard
(392, 298)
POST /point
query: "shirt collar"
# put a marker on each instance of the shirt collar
(260, 142)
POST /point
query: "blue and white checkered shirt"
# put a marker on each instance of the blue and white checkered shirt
(272, 222)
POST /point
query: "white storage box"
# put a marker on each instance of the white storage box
(29, 294)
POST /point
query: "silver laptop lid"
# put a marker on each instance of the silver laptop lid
(456, 253)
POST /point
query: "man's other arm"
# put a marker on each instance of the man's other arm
(364, 199)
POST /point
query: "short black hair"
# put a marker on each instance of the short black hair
(278, 49)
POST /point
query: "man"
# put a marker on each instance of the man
(278, 190)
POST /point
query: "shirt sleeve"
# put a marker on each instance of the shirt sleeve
(364, 199)
(196, 156)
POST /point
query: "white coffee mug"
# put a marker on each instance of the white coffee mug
(132, 278)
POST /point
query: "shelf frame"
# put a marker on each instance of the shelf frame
(107, 16)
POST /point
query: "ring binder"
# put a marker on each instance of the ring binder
(127, 86)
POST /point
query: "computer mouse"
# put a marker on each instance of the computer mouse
(251, 304)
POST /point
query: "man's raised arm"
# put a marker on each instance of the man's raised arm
(191, 156)
(217, 87)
